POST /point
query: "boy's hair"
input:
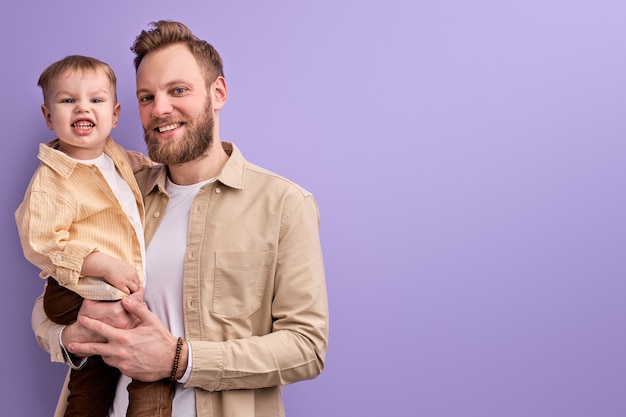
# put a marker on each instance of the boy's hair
(165, 33)
(74, 63)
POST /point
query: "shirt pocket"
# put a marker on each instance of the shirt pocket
(240, 279)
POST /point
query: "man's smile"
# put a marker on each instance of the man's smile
(168, 128)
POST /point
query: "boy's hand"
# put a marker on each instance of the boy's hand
(116, 272)
(122, 276)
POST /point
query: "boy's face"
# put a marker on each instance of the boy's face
(81, 109)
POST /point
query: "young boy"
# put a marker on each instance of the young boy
(81, 220)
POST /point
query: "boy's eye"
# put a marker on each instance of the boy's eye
(67, 100)
(97, 100)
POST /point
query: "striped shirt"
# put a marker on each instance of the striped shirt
(69, 211)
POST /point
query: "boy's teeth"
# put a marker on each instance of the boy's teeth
(168, 128)
(83, 125)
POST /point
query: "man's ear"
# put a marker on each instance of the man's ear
(219, 93)
(47, 116)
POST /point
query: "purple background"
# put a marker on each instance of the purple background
(469, 162)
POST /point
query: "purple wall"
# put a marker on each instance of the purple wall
(469, 162)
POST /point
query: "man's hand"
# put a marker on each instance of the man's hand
(145, 351)
(108, 312)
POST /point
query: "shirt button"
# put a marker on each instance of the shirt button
(218, 190)
(58, 258)
(156, 214)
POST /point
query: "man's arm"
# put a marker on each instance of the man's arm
(295, 350)
(46, 332)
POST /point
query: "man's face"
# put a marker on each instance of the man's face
(174, 106)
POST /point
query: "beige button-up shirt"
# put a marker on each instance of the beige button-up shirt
(254, 292)
(69, 211)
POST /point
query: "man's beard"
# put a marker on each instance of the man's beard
(193, 145)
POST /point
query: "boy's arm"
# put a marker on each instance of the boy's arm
(44, 236)
(138, 161)
(119, 273)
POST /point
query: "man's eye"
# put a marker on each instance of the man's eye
(145, 99)
(179, 90)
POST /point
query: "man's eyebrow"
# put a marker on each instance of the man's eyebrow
(168, 85)
(142, 91)
(177, 82)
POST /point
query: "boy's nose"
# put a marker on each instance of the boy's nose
(80, 108)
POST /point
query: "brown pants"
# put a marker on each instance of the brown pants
(92, 388)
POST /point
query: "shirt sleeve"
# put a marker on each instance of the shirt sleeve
(138, 161)
(43, 222)
(46, 332)
(296, 347)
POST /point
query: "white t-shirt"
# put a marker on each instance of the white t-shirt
(122, 192)
(164, 292)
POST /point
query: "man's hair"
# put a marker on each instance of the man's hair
(73, 63)
(165, 33)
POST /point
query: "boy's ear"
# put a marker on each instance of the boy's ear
(116, 114)
(47, 116)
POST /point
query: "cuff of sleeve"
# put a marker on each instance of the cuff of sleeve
(207, 366)
(68, 263)
(69, 358)
(56, 353)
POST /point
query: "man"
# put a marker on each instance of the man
(235, 300)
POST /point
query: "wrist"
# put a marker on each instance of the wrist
(75, 362)
(183, 361)
(180, 360)
(68, 334)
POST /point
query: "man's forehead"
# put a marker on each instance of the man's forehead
(172, 55)
(168, 66)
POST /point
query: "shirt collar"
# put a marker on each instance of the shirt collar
(58, 161)
(233, 173)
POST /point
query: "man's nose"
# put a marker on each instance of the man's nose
(161, 106)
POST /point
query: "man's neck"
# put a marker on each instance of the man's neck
(201, 169)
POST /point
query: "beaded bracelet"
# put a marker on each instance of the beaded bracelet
(179, 347)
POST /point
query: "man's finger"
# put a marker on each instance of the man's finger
(137, 295)
(94, 348)
(89, 349)
(98, 327)
(138, 308)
